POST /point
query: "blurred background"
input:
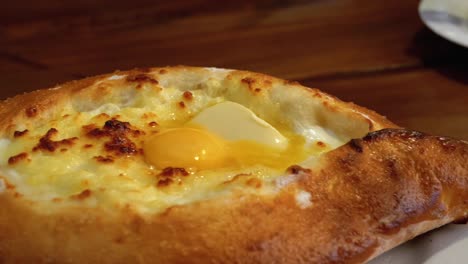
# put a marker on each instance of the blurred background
(375, 53)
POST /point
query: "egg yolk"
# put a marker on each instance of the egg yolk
(185, 148)
(199, 149)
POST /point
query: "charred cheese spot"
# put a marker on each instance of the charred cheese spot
(14, 159)
(118, 135)
(47, 144)
(142, 78)
(321, 144)
(106, 159)
(188, 95)
(17, 134)
(296, 169)
(121, 145)
(169, 174)
(31, 111)
(82, 195)
(248, 80)
(250, 84)
(164, 182)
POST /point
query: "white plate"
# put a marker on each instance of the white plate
(447, 18)
(446, 245)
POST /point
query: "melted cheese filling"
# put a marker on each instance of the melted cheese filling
(90, 158)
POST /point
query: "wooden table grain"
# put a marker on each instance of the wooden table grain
(375, 53)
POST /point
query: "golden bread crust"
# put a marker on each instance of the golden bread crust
(364, 198)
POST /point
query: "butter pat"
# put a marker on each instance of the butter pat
(234, 122)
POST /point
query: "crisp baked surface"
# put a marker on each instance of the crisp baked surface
(366, 188)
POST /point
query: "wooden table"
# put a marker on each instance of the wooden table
(375, 53)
